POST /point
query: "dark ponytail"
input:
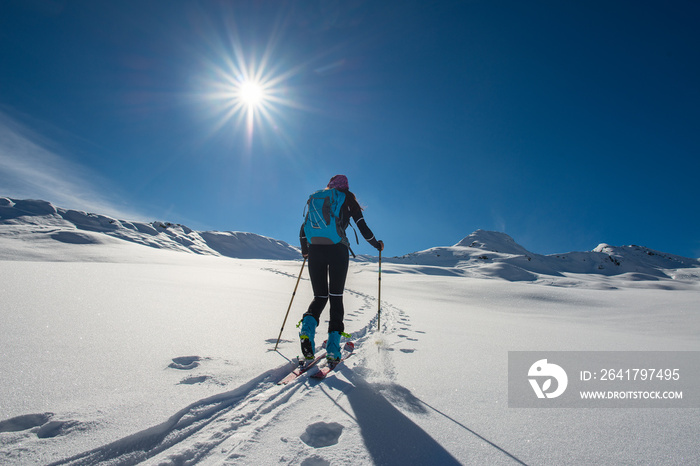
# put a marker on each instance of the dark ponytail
(351, 201)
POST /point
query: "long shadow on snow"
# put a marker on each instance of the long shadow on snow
(390, 437)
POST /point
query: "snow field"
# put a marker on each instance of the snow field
(163, 358)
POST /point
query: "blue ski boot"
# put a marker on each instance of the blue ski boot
(306, 335)
(333, 347)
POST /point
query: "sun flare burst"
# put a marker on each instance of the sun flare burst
(244, 90)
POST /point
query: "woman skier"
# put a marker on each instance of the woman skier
(328, 267)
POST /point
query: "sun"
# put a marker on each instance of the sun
(247, 88)
(247, 94)
(251, 93)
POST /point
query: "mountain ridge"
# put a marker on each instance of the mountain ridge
(483, 253)
(497, 254)
(42, 219)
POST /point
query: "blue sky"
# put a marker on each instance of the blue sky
(563, 124)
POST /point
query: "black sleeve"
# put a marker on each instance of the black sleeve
(303, 241)
(356, 214)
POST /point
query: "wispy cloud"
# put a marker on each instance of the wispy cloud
(30, 169)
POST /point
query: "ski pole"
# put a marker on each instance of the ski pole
(290, 304)
(379, 294)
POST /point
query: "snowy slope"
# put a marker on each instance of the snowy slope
(43, 226)
(116, 353)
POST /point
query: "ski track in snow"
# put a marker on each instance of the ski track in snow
(217, 427)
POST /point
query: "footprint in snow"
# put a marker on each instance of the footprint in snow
(194, 380)
(46, 427)
(24, 422)
(322, 434)
(315, 461)
(55, 428)
(185, 363)
(408, 338)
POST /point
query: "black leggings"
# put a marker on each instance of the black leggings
(328, 268)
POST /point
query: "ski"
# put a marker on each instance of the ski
(322, 372)
(301, 369)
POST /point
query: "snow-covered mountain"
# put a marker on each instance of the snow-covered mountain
(495, 254)
(40, 227)
(40, 224)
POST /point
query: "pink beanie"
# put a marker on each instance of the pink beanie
(339, 182)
